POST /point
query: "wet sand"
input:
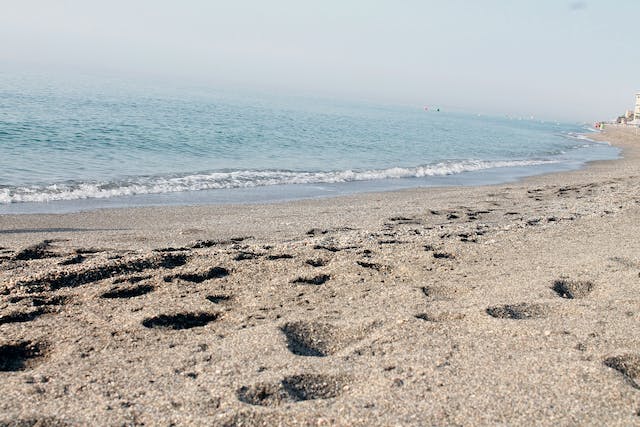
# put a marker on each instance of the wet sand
(509, 304)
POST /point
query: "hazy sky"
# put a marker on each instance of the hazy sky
(550, 58)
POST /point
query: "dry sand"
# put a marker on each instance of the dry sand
(511, 304)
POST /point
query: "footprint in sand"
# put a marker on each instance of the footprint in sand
(219, 299)
(73, 278)
(316, 280)
(372, 265)
(628, 365)
(295, 388)
(279, 256)
(443, 292)
(201, 276)
(443, 255)
(37, 251)
(244, 255)
(21, 355)
(36, 306)
(72, 260)
(317, 262)
(39, 301)
(402, 220)
(128, 291)
(441, 316)
(131, 279)
(201, 244)
(519, 311)
(320, 339)
(24, 316)
(331, 248)
(310, 339)
(180, 321)
(572, 289)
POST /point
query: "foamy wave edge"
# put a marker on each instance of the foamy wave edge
(585, 137)
(236, 179)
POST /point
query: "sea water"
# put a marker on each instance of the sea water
(75, 144)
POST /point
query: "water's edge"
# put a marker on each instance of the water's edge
(291, 192)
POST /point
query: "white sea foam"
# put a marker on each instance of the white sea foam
(583, 137)
(236, 179)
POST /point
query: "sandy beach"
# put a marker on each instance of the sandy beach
(514, 304)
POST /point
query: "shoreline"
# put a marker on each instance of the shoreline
(510, 304)
(286, 193)
(115, 214)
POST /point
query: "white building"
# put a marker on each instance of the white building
(637, 110)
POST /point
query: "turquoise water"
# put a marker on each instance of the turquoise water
(74, 144)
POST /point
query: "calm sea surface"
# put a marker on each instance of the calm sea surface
(72, 144)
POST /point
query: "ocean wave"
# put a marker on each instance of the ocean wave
(585, 137)
(235, 179)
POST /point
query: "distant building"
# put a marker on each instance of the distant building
(630, 117)
(627, 117)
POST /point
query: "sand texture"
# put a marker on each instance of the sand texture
(514, 304)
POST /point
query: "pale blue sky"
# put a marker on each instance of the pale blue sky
(549, 58)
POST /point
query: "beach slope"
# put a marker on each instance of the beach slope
(510, 304)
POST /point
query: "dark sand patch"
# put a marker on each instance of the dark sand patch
(128, 292)
(321, 231)
(316, 232)
(331, 248)
(20, 356)
(316, 280)
(37, 251)
(317, 262)
(38, 301)
(572, 289)
(172, 249)
(52, 300)
(243, 256)
(131, 279)
(437, 317)
(199, 277)
(443, 255)
(628, 365)
(180, 320)
(403, 220)
(279, 256)
(392, 242)
(327, 248)
(63, 279)
(217, 299)
(23, 316)
(34, 422)
(201, 244)
(263, 394)
(311, 387)
(371, 265)
(519, 311)
(75, 259)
